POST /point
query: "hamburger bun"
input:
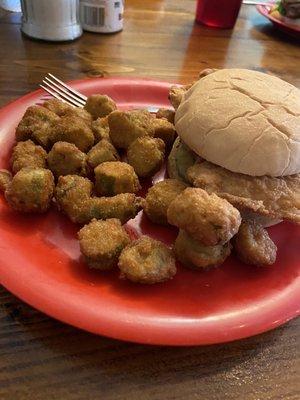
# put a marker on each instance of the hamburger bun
(245, 121)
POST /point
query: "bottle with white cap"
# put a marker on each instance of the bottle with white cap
(103, 16)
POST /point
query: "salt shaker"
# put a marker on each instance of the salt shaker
(54, 20)
(103, 16)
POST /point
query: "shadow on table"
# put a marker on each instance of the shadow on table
(275, 34)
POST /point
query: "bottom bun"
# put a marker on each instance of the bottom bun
(260, 219)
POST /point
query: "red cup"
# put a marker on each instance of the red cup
(218, 13)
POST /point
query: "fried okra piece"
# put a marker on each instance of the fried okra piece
(146, 155)
(124, 207)
(101, 129)
(193, 254)
(31, 190)
(159, 198)
(66, 159)
(101, 243)
(5, 179)
(125, 127)
(180, 159)
(207, 218)
(176, 94)
(115, 177)
(99, 105)
(167, 114)
(73, 130)
(101, 152)
(27, 154)
(147, 261)
(63, 109)
(70, 194)
(253, 244)
(37, 124)
(163, 129)
(73, 197)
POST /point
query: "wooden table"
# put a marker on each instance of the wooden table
(43, 359)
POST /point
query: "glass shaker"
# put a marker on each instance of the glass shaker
(54, 20)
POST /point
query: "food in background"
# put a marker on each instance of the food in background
(27, 154)
(66, 159)
(159, 198)
(147, 261)
(63, 109)
(115, 177)
(99, 105)
(193, 254)
(31, 190)
(166, 113)
(253, 245)
(101, 243)
(146, 155)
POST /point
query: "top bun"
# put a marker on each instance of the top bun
(244, 121)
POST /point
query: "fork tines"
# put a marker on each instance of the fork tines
(58, 89)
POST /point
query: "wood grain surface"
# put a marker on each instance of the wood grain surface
(42, 359)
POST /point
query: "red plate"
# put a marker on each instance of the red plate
(40, 263)
(288, 28)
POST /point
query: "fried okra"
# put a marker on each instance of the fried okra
(73, 197)
(193, 254)
(159, 197)
(63, 109)
(5, 179)
(37, 124)
(101, 243)
(125, 127)
(101, 129)
(115, 177)
(66, 159)
(207, 218)
(181, 158)
(27, 154)
(70, 194)
(101, 152)
(146, 155)
(147, 261)
(31, 190)
(74, 130)
(163, 129)
(253, 244)
(166, 113)
(99, 105)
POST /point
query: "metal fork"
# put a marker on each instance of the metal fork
(58, 89)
